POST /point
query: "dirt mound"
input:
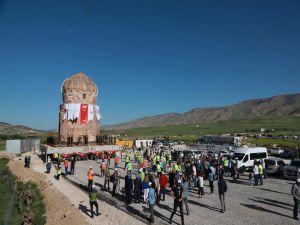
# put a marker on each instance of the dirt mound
(59, 210)
(6, 155)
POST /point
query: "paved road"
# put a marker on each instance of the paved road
(268, 204)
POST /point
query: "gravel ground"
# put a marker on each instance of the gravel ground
(271, 203)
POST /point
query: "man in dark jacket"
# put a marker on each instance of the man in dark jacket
(296, 196)
(222, 192)
(137, 188)
(128, 188)
(73, 161)
(176, 193)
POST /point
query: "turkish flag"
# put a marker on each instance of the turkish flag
(84, 113)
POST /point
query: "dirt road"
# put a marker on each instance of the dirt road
(65, 203)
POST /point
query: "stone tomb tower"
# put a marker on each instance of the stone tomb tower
(79, 113)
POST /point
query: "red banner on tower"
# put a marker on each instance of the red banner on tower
(84, 113)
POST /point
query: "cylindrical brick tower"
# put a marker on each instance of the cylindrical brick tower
(79, 114)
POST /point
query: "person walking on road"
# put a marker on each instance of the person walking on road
(103, 168)
(115, 181)
(211, 180)
(58, 172)
(176, 193)
(129, 168)
(107, 178)
(145, 187)
(28, 161)
(66, 164)
(48, 166)
(256, 174)
(72, 165)
(128, 188)
(200, 184)
(25, 161)
(117, 160)
(222, 192)
(93, 201)
(151, 201)
(261, 173)
(185, 195)
(108, 158)
(296, 195)
(137, 188)
(163, 181)
(90, 176)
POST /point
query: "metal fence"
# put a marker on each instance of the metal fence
(22, 146)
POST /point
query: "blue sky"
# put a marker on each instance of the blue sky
(147, 57)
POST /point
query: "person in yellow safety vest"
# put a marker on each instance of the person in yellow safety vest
(59, 159)
(179, 168)
(154, 161)
(55, 157)
(58, 172)
(226, 163)
(176, 167)
(261, 172)
(129, 168)
(157, 158)
(169, 157)
(127, 158)
(142, 175)
(158, 167)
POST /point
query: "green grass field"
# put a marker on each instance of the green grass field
(190, 133)
(4, 190)
(37, 209)
(280, 124)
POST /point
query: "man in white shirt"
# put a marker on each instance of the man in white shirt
(256, 174)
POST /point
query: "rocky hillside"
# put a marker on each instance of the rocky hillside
(284, 105)
(8, 129)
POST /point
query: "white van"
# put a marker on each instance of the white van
(246, 156)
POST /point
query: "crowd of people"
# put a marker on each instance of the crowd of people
(150, 173)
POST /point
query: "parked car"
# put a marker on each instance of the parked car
(82, 156)
(276, 151)
(274, 165)
(288, 154)
(65, 156)
(94, 155)
(290, 171)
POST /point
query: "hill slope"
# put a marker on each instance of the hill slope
(8, 129)
(283, 105)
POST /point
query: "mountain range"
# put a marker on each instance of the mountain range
(282, 105)
(277, 106)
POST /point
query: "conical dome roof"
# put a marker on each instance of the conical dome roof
(79, 82)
